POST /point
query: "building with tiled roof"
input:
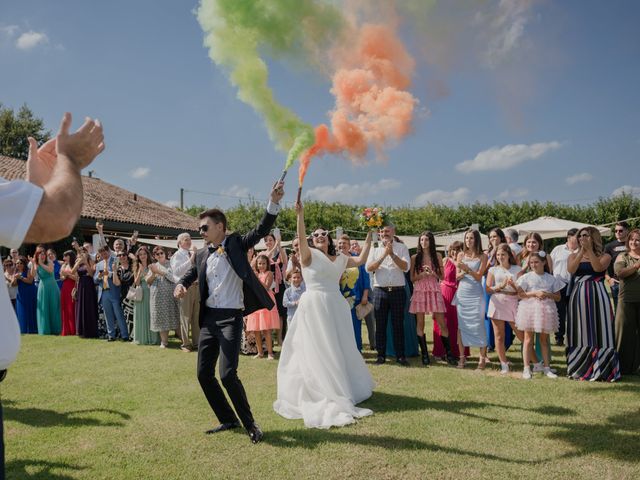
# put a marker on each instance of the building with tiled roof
(121, 211)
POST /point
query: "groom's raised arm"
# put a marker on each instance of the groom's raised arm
(273, 208)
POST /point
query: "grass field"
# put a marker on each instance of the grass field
(88, 409)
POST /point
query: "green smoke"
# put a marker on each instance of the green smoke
(238, 31)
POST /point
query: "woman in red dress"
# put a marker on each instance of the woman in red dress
(448, 286)
(67, 300)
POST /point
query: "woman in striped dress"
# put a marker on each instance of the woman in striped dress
(591, 353)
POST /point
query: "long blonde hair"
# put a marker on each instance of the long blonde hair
(596, 239)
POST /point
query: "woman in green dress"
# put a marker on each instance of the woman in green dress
(142, 334)
(48, 303)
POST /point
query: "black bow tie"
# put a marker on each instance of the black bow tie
(212, 248)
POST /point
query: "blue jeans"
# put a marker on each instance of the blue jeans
(615, 288)
(357, 329)
(112, 313)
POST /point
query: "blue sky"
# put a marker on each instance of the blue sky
(540, 102)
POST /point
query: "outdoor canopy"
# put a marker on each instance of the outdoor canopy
(552, 227)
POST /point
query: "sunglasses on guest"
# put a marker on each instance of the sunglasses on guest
(157, 254)
(620, 230)
(323, 233)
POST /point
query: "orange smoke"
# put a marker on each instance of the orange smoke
(373, 107)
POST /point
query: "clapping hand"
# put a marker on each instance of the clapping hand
(82, 146)
(388, 248)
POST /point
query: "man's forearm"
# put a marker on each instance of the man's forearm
(60, 205)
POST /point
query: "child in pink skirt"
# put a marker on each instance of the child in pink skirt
(503, 304)
(537, 312)
(264, 320)
(426, 272)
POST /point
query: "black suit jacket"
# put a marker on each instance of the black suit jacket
(236, 247)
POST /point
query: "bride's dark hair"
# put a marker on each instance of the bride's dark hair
(331, 249)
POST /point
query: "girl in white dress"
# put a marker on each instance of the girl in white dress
(503, 304)
(321, 374)
(537, 312)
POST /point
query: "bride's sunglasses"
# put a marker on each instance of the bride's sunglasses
(324, 233)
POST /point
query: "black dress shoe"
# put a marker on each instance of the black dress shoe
(380, 360)
(111, 339)
(255, 434)
(402, 361)
(222, 427)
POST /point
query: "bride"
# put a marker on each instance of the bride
(321, 374)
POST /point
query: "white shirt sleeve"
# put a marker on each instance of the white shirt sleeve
(273, 208)
(19, 201)
(404, 255)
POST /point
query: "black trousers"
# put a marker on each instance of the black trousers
(562, 313)
(385, 302)
(220, 339)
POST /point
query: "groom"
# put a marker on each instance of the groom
(228, 290)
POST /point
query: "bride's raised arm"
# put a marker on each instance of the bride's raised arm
(364, 254)
(305, 251)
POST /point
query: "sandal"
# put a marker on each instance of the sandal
(482, 363)
(461, 362)
(258, 356)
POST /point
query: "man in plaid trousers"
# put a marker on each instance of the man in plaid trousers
(388, 262)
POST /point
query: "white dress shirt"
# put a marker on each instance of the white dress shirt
(225, 286)
(560, 258)
(389, 275)
(180, 264)
(19, 201)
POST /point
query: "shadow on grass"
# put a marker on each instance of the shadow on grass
(39, 417)
(313, 438)
(617, 437)
(387, 402)
(39, 470)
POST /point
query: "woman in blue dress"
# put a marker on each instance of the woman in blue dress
(48, 304)
(26, 299)
(470, 298)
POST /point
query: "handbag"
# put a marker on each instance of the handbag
(363, 310)
(135, 294)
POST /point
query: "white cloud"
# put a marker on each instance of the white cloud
(628, 189)
(31, 39)
(461, 195)
(502, 158)
(579, 177)
(515, 193)
(9, 30)
(140, 172)
(172, 203)
(345, 192)
(236, 191)
(506, 28)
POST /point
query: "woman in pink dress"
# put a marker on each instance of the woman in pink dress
(448, 286)
(263, 321)
(67, 301)
(426, 272)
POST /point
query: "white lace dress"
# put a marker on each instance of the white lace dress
(321, 374)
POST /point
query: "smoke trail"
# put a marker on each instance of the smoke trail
(373, 106)
(236, 31)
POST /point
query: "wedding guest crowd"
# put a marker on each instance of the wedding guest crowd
(528, 295)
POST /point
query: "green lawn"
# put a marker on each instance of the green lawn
(95, 410)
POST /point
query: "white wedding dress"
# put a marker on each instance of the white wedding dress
(321, 374)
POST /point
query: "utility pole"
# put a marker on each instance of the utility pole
(182, 199)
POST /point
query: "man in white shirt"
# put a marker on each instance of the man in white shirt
(388, 263)
(559, 258)
(512, 239)
(53, 190)
(181, 263)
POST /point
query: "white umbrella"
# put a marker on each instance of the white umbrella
(552, 227)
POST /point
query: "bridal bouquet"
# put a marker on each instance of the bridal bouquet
(373, 218)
